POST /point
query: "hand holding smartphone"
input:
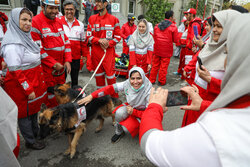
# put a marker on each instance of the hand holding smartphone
(196, 31)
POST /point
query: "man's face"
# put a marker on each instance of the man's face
(100, 5)
(50, 11)
(69, 11)
(189, 16)
(131, 22)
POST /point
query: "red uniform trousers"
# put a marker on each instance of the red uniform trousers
(131, 123)
(107, 67)
(162, 64)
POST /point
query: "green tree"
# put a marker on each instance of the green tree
(156, 10)
(201, 7)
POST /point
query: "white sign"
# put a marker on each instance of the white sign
(115, 7)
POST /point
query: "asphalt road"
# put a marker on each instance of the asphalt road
(96, 149)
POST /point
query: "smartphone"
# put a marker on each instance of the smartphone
(196, 31)
(199, 62)
(177, 98)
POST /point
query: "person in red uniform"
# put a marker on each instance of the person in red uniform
(103, 33)
(141, 47)
(24, 81)
(74, 29)
(137, 89)
(165, 33)
(47, 32)
(212, 56)
(193, 21)
(223, 127)
(127, 30)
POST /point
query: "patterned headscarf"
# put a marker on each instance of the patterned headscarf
(138, 99)
(14, 35)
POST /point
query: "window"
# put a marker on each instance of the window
(131, 7)
(4, 2)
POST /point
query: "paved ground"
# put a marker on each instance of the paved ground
(95, 149)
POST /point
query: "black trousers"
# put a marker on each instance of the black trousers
(75, 67)
(29, 128)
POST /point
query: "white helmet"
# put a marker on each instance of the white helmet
(51, 2)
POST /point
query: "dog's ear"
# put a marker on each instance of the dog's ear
(68, 85)
(43, 107)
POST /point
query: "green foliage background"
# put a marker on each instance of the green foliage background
(156, 10)
(200, 9)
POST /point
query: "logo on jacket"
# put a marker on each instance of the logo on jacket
(109, 34)
(46, 30)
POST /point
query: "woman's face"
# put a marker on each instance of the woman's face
(136, 80)
(207, 27)
(142, 27)
(25, 22)
(217, 30)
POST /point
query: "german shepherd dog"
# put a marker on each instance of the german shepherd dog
(64, 117)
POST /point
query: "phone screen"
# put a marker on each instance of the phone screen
(196, 31)
(177, 98)
(200, 62)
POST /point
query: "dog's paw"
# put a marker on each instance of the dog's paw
(97, 130)
(67, 152)
(72, 154)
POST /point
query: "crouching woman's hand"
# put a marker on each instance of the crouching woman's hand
(85, 100)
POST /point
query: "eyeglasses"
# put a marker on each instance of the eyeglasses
(69, 9)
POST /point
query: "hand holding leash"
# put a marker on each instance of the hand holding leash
(91, 76)
(85, 100)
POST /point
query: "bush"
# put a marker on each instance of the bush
(156, 10)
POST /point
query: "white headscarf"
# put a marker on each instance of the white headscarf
(14, 35)
(141, 40)
(236, 82)
(213, 54)
(138, 99)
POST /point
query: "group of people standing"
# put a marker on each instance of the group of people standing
(39, 51)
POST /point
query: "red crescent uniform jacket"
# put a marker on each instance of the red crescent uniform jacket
(106, 26)
(54, 44)
(76, 37)
(164, 38)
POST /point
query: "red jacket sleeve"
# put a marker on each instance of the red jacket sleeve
(214, 86)
(132, 58)
(204, 105)
(117, 34)
(107, 90)
(149, 57)
(175, 35)
(123, 32)
(137, 113)
(90, 37)
(151, 119)
(37, 37)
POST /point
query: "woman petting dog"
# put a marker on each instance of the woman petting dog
(137, 90)
(24, 81)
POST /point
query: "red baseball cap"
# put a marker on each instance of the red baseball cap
(191, 10)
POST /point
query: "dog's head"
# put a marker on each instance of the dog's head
(47, 119)
(61, 93)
